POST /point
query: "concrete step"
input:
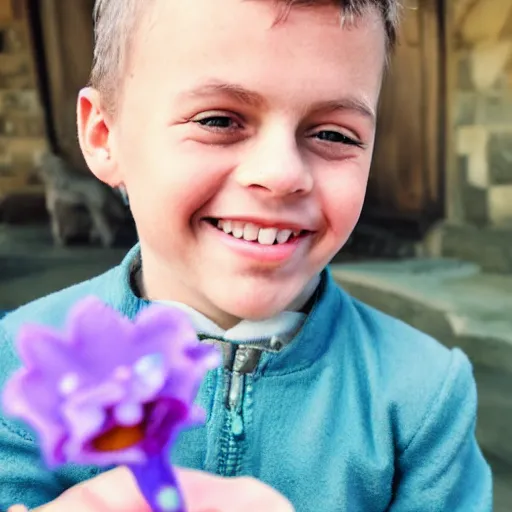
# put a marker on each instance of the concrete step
(453, 301)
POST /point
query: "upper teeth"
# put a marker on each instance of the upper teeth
(251, 232)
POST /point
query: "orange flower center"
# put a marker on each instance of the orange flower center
(119, 438)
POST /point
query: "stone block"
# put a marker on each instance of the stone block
(14, 38)
(474, 200)
(22, 155)
(6, 171)
(490, 248)
(500, 205)
(500, 158)
(467, 103)
(484, 20)
(24, 102)
(474, 204)
(472, 143)
(21, 126)
(497, 109)
(489, 61)
(464, 75)
(16, 72)
(26, 153)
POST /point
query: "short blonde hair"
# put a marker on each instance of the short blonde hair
(115, 24)
(116, 21)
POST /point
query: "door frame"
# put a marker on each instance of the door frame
(435, 124)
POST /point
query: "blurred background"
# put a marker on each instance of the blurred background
(434, 245)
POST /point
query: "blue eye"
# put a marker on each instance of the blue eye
(337, 137)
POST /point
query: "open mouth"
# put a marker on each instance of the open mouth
(257, 234)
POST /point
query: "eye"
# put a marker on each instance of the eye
(338, 138)
(217, 122)
(218, 127)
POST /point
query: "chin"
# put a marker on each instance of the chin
(253, 306)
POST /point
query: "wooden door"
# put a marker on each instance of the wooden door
(63, 33)
(406, 177)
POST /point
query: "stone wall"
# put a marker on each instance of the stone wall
(481, 43)
(22, 130)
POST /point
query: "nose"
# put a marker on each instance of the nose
(276, 167)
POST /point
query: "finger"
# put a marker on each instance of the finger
(209, 493)
(18, 508)
(113, 491)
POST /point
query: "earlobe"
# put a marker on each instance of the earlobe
(95, 137)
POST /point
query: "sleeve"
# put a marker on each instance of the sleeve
(442, 467)
(23, 479)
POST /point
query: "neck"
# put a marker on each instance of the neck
(143, 286)
(151, 289)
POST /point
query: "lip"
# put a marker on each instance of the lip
(269, 254)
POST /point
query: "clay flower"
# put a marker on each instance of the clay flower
(108, 390)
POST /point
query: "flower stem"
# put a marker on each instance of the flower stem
(158, 484)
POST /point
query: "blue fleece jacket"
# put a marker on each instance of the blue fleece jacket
(358, 413)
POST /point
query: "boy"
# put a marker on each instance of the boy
(242, 132)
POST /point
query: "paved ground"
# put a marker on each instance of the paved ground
(453, 301)
(30, 267)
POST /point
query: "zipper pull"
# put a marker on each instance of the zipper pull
(237, 423)
(235, 403)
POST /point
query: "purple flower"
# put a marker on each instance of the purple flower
(109, 390)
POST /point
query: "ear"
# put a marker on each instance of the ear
(95, 138)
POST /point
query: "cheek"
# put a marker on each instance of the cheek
(179, 178)
(342, 198)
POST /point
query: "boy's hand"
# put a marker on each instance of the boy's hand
(116, 491)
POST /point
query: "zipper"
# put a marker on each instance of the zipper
(242, 361)
(236, 390)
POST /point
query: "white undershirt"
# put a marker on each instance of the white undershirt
(284, 323)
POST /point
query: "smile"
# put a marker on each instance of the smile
(251, 232)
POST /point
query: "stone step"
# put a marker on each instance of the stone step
(488, 247)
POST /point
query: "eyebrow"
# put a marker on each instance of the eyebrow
(254, 99)
(236, 91)
(350, 104)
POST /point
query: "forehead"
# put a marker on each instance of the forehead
(183, 43)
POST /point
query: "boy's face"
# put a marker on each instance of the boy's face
(225, 117)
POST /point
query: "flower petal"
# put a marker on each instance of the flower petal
(85, 415)
(165, 330)
(102, 337)
(163, 423)
(128, 414)
(44, 349)
(208, 356)
(158, 318)
(41, 415)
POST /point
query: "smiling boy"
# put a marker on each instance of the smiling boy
(242, 132)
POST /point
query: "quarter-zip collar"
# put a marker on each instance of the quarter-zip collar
(298, 346)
